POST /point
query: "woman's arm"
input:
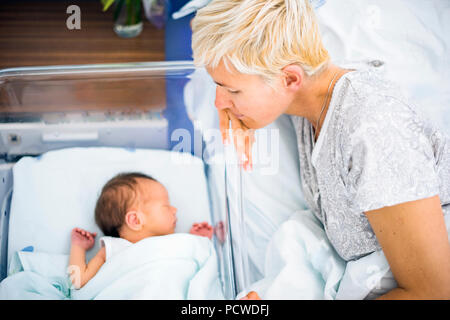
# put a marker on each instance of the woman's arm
(414, 240)
(80, 272)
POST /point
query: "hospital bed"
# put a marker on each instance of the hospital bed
(169, 102)
(406, 42)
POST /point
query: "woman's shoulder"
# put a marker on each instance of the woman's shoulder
(372, 101)
(375, 110)
(369, 91)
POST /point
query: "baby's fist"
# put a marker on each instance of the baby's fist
(202, 229)
(83, 238)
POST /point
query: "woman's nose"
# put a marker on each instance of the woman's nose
(221, 102)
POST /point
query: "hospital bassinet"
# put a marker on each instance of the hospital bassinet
(132, 105)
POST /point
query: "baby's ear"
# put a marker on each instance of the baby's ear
(133, 220)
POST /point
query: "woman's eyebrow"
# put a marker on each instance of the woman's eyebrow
(222, 85)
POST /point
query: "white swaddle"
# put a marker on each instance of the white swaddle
(175, 266)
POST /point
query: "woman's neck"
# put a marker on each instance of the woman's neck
(315, 94)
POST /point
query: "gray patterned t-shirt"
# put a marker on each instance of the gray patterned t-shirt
(374, 150)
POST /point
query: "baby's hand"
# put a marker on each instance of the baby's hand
(202, 229)
(83, 238)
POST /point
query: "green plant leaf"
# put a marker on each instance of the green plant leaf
(117, 11)
(106, 4)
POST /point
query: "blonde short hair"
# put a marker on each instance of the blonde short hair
(258, 37)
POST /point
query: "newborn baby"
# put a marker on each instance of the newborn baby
(131, 207)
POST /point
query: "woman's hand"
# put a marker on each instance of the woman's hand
(252, 295)
(243, 137)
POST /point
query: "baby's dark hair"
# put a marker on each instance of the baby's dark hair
(116, 198)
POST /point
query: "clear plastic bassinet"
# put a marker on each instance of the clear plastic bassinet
(125, 105)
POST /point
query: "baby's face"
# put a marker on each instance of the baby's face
(153, 201)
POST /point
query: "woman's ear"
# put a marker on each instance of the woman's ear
(134, 220)
(293, 76)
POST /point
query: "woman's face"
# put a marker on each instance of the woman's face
(248, 97)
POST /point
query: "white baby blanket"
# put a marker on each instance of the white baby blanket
(177, 266)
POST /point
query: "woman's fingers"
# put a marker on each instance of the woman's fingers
(252, 295)
(224, 125)
(243, 138)
(238, 136)
(249, 140)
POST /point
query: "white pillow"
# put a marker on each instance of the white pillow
(58, 191)
(410, 37)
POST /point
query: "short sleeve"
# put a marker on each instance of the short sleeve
(390, 157)
(113, 245)
(106, 242)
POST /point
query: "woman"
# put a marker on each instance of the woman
(375, 174)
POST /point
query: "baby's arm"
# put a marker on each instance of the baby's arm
(80, 272)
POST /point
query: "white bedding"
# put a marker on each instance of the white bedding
(299, 263)
(176, 266)
(58, 191)
(409, 38)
